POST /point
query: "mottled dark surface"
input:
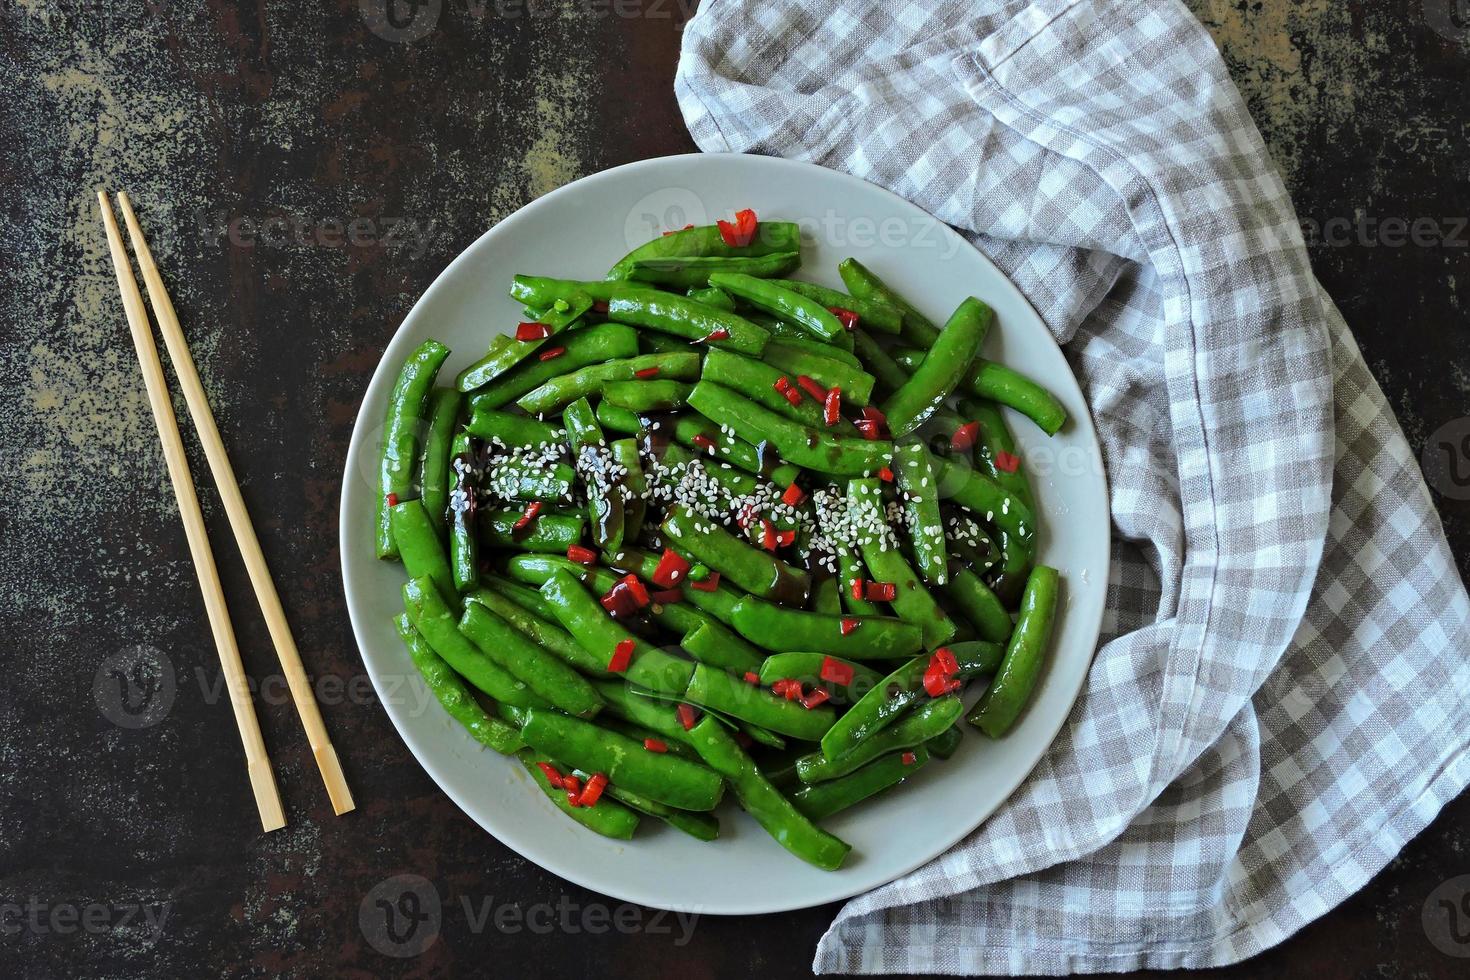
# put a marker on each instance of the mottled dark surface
(223, 119)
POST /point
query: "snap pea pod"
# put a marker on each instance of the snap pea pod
(707, 438)
(888, 376)
(700, 826)
(581, 348)
(994, 437)
(710, 642)
(547, 675)
(764, 802)
(452, 694)
(791, 333)
(551, 533)
(434, 460)
(827, 371)
(913, 470)
(998, 383)
(641, 735)
(605, 492)
(936, 377)
(1008, 578)
(653, 342)
(757, 381)
(998, 710)
(823, 800)
(656, 395)
(871, 312)
(608, 818)
(780, 628)
(664, 778)
(401, 436)
(567, 388)
(911, 602)
(770, 236)
(992, 502)
(464, 546)
(515, 479)
(599, 634)
(719, 602)
(710, 296)
(510, 431)
(640, 708)
(682, 317)
(693, 271)
(499, 361)
(893, 696)
(838, 350)
(758, 572)
(978, 604)
(635, 507)
(542, 632)
(525, 597)
(919, 726)
(944, 745)
(714, 689)
(779, 301)
(826, 596)
(917, 329)
(797, 444)
(618, 419)
(850, 569)
(807, 668)
(436, 624)
(419, 546)
(733, 483)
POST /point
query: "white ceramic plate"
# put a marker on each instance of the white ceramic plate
(578, 231)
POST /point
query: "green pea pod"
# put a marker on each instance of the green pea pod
(919, 488)
(564, 389)
(682, 317)
(664, 778)
(714, 689)
(605, 492)
(764, 802)
(515, 479)
(639, 707)
(710, 296)
(700, 826)
(978, 604)
(994, 437)
(536, 626)
(693, 271)
(719, 602)
(401, 436)
(838, 350)
(888, 376)
(781, 628)
(827, 596)
(608, 818)
(825, 370)
(419, 546)
(850, 569)
(946, 743)
(464, 546)
(434, 460)
(770, 236)
(657, 395)
(911, 602)
(550, 677)
(527, 598)
(581, 348)
(873, 313)
(927, 721)
(781, 302)
(940, 373)
(615, 419)
(826, 799)
(550, 533)
(436, 624)
(807, 668)
(708, 439)
(499, 361)
(452, 694)
(988, 500)
(757, 572)
(599, 634)
(1001, 384)
(502, 429)
(998, 710)
(635, 507)
(917, 329)
(712, 643)
(758, 381)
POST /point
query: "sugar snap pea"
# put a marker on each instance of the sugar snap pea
(1009, 387)
(871, 312)
(693, 271)
(918, 486)
(599, 634)
(713, 688)
(780, 628)
(825, 370)
(919, 726)
(1019, 671)
(770, 236)
(656, 395)
(508, 430)
(464, 545)
(541, 630)
(580, 348)
(978, 604)
(937, 376)
(625, 454)
(710, 296)
(780, 302)
(452, 694)
(583, 382)
(700, 826)
(547, 675)
(501, 360)
(608, 818)
(758, 381)
(917, 329)
(444, 407)
(550, 532)
(436, 624)
(595, 465)
(758, 572)
(419, 546)
(823, 800)
(401, 435)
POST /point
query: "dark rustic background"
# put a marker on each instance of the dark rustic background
(305, 171)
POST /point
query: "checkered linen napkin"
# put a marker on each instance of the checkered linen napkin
(1280, 698)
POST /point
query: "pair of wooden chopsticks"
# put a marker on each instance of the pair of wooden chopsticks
(262, 779)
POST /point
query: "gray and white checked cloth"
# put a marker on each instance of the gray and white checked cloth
(1280, 698)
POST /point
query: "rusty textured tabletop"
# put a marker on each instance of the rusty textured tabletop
(305, 171)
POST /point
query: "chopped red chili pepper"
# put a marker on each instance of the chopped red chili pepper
(670, 570)
(392, 499)
(785, 539)
(768, 535)
(793, 396)
(885, 474)
(836, 671)
(944, 656)
(688, 717)
(782, 384)
(781, 685)
(849, 624)
(667, 596)
(573, 798)
(626, 598)
(581, 555)
(857, 590)
(552, 353)
(533, 509)
(599, 306)
(646, 373)
(848, 318)
(964, 437)
(812, 388)
(640, 594)
(708, 584)
(936, 681)
(549, 771)
(719, 333)
(794, 496)
(817, 696)
(1005, 461)
(622, 656)
(741, 231)
(655, 745)
(880, 592)
(747, 514)
(908, 758)
(876, 417)
(573, 786)
(592, 792)
(751, 677)
(832, 406)
(532, 331)
(704, 442)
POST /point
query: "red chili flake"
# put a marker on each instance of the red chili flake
(836, 671)
(876, 417)
(640, 594)
(655, 745)
(704, 442)
(626, 597)
(685, 228)
(832, 406)
(782, 384)
(719, 333)
(592, 792)
(816, 697)
(552, 353)
(392, 499)
(532, 331)
(868, 430)
(573, 798)
(622, 656)
(812, 388)
(848, 318)
(533, 509)
(880, 591)
(793, 396)
(599, 306)
(964, 437)
(794, 496)
(747, 514)
(936, 681)
(581, 555)
(573, 786)
(708, 584)
(1005, 461)
(646, 373)
(741, 231)
(670, 570)
(908, 758)
(849, 624)
(856, 591)
(667, 596)
(785, 539)
(944, 656)
(688, 717)
(768, 535)
(751, 677)
(549, 771)
(780, 686)
(873, 424)
(885, 474)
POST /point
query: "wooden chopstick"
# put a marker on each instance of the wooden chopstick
(245, 537)
(257, 763)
